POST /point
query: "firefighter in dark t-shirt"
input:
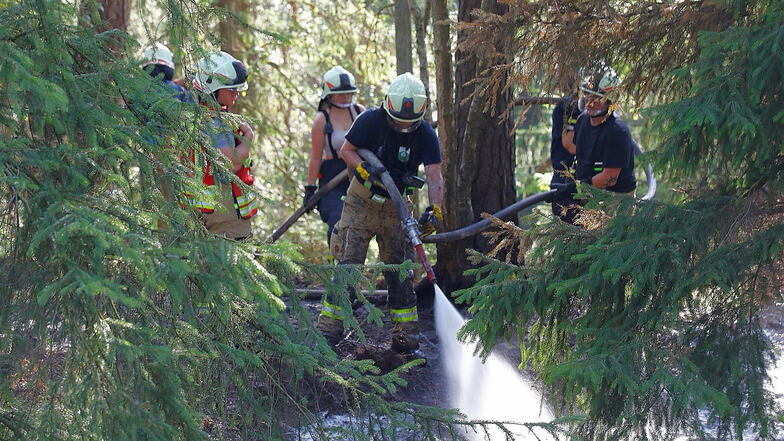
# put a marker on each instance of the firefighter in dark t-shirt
(402, 141)
(605, 149)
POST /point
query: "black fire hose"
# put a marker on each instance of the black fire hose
(410, 226)
(449, 236)
(388, 182)
(522, 204)
(282, 228)
(482, 225)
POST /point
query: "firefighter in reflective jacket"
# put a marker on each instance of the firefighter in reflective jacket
(226, 207)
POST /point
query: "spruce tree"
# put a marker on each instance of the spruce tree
(644, 320)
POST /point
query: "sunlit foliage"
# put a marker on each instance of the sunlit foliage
(645, 318)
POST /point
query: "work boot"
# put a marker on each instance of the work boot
(331, 329)
(405, 337)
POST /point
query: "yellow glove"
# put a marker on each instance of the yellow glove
(438, 214)
(431, 220)
(365, 170)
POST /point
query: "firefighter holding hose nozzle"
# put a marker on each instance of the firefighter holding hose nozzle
(398, 135)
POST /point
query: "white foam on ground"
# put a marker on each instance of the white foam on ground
(494, 390)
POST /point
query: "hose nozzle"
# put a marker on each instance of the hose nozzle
(412, 231)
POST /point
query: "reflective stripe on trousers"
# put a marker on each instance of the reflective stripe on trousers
(246, 204)
(331, 311)
(404, 315)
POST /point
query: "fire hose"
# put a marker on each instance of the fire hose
(283, 227)
(408, 223)
(527, 202)
(482, 225)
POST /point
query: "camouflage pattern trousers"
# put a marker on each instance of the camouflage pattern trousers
(362, 219)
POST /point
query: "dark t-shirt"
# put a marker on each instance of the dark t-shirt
(558, 154)
(608, 145)
(401, 153)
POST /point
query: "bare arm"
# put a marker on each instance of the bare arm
(237, 155)
(316, 148)
(348, 153)
(606, 178)
(435, 184)
(568, 142)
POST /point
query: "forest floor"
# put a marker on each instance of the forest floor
(427, 383)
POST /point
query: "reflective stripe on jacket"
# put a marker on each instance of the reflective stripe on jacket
(202, 193)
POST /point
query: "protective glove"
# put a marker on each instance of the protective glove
(567, 189)
(564, 189)
(367, 170)
(310, 190)
(431, 220)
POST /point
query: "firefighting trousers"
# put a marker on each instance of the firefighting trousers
(362, 219)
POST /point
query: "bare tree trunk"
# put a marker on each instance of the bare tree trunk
(445, 100)
(115, 14)
(232, 30)
(445, 85)
(112, 14)
(403, 44)
(480, 165)
(420, 19)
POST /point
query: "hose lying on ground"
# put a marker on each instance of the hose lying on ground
(334, 182)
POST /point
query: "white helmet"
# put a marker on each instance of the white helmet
(406, 100)
(602, 84)
(157, 53)
(337, 80)
(220, 70)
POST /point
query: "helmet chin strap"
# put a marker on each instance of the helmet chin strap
(597, 115)
(397, 128)
(339, 106)
(604, 112)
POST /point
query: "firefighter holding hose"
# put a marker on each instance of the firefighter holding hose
(397, 134)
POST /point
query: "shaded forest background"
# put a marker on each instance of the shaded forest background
(648, 318)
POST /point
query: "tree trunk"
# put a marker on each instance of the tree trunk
(112, 14)
(403, 44)
(480, 164)
(420, 20)
(233, 34)
(115, 14)
(445, 86)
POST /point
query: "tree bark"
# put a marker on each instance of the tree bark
(480, 165)
(112, 14)
(115, 14)
(445, 86)
(232, 30)
(403, 43)
(420, 20)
